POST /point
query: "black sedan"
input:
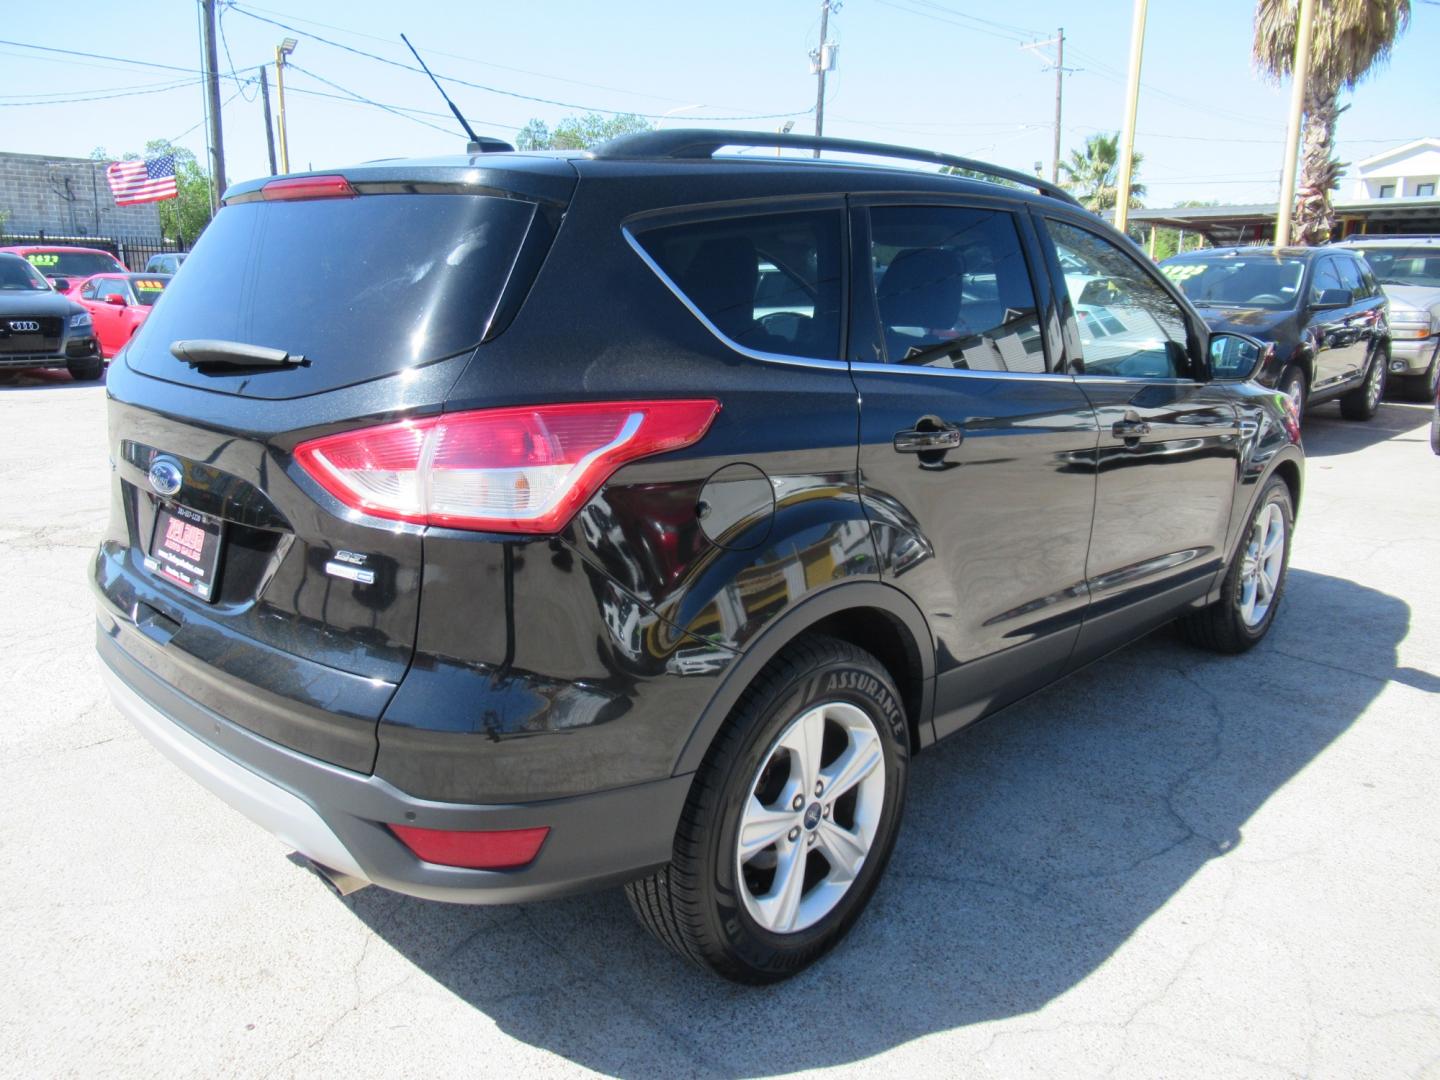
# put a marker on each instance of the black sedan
(1322, 308)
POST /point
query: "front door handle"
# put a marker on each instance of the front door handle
(917, 441)
(1130, 429)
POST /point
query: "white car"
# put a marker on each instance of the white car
(1408, 268)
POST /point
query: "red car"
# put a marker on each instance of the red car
(118, 304)
(64, 265)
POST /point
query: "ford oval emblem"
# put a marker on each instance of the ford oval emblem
(166, 475)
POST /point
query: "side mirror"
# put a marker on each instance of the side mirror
(1238, 356)
(115, 298)
(1334, 298)
(61, 284)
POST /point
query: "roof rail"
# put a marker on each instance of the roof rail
(702, 143)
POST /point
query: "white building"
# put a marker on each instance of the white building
(1405, 172)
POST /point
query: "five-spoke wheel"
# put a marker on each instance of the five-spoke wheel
(810, 820)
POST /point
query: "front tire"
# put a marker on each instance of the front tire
(790, 821)
(87, 370)
(1293, 385)
(1363, 402)
(1255, 582)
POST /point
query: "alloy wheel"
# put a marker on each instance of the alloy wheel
(1375, 383)
(1261, 565)
(810, 819)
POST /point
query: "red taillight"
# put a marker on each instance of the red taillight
(493, 849)
(525, 469)
(308, 187)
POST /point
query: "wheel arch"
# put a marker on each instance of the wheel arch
(878, 618)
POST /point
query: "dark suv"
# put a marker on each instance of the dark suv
(1321, 308)
(497, 527)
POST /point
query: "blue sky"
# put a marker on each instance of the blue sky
(945, 74)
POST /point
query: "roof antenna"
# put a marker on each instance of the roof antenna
(479, 144)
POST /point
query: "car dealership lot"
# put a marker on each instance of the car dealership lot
(1173, 863)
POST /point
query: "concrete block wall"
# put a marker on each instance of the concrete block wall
(67, 197)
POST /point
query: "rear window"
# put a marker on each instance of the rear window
(361, 287)
(769, 283)
(148, 290)
(73, 264)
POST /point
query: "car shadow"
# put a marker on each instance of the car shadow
(1326, 433)
(1034, 846)
(41, 379)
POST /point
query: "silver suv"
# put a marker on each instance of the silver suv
(1409, 270)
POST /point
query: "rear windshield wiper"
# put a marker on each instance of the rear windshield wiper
(207, 353)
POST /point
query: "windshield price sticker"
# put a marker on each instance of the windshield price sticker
(42, 259)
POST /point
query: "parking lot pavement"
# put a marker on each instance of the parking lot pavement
(1172, 864)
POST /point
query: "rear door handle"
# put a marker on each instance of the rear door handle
(1130, 429)
(915, 441)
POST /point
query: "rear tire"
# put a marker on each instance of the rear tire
(1237, 621)
(1363, 402)
(87, 370)
(724, 905)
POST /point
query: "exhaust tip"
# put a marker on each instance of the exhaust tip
(339, 882)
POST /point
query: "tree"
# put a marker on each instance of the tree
(579, 132)
(185, 216)
(1350, 38)
(1093, 174)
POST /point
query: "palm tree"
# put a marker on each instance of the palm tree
(1348, 40)
(1093, 176)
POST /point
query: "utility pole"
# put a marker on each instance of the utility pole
(821, 61)
(212, 93)
(1292, 133)
(1059, 66)
(1059, 95)
(1132, 104)
(284, 49)
(265, 103)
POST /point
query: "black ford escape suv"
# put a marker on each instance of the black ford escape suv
(496, 527)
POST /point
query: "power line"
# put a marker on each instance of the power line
(492, 89)
(99, 97)
(292, 66)
(220, 22)
(102, 56)
(475, 60)
(1004, 36)
(57, 94)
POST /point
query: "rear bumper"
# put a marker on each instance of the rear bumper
(337, 817)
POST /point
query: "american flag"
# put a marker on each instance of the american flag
(142, 181)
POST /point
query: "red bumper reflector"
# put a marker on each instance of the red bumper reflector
(308, 187)
(493, 849)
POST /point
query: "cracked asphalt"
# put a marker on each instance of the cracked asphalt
(1172, 864)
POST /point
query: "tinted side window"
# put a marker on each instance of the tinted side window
(1128, 325)
(1350, 277)
(771, 283)
(952, 289)
(1326, 277)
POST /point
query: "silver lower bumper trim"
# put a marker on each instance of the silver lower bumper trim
(289, 817)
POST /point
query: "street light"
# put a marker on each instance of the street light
(785, 129)
(284, 49)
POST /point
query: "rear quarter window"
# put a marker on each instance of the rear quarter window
(769, 283)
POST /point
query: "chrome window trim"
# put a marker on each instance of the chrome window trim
(920, 369)
(754, 354)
